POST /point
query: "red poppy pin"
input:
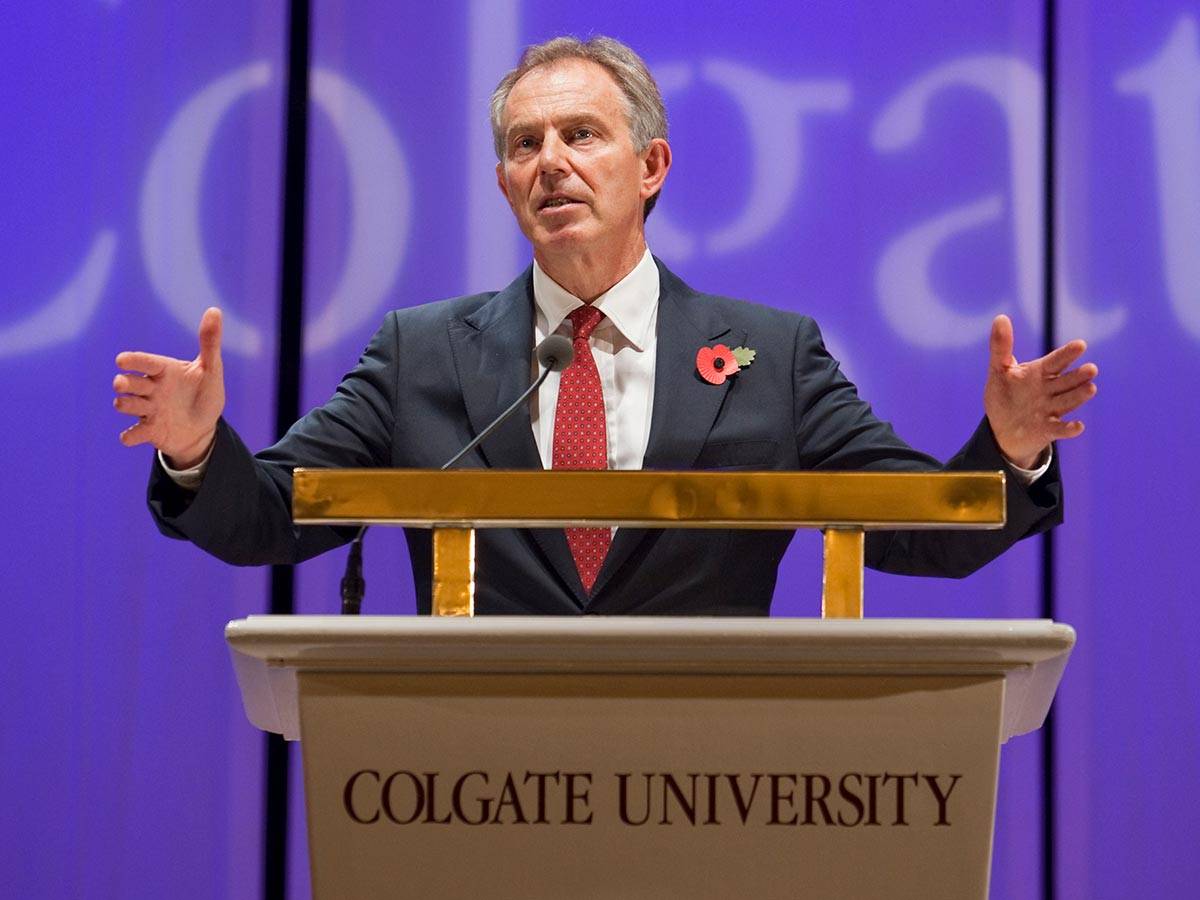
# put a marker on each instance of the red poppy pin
(715, 364)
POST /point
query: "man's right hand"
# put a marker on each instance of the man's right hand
(177, 402)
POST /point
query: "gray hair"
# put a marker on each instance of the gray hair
(643, 103)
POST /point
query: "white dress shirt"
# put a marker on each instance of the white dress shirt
(623, 346)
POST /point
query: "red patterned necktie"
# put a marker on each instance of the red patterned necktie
(581, 437)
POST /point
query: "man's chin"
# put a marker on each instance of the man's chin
(569, 235)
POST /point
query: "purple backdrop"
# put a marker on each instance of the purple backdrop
(141, 149)
(1129, 708)
(879, 169)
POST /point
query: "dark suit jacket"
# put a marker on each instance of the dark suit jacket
(435, 375)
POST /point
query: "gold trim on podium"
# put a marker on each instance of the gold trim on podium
(842, 578)
(842, 504)
(454, 571)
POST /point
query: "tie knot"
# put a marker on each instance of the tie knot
(585, 319)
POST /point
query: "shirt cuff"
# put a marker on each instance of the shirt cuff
(189, 479)
(1029, 476)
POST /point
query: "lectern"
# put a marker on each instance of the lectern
(455, 756)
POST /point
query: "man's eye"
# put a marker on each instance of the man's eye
(582, 134)
(525, 143)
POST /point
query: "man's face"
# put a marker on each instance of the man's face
(570, 172)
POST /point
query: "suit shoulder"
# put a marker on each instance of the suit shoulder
(759, 318)
(437, 312)
(480, 310)
(734, 311)
(736, 307)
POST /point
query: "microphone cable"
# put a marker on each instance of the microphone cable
(554, 354)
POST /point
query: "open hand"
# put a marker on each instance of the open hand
(1025, 402)
(177, 402)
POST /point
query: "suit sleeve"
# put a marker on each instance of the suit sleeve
(242, 512)
(837, 431)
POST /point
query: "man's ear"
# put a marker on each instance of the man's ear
(656, 162)
(503, 184)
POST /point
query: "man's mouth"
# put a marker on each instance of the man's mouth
(554, 202)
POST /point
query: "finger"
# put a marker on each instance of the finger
(1061, 431)
(210, 338)
(137, 385)
(147, 363)
(136, 434)
(1068, 381)
(1064, 403)
(133, 406)
(1057, 360)
(1000, 343)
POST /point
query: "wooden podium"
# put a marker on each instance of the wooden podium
(528, 757)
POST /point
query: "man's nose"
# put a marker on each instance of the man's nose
(552, 157)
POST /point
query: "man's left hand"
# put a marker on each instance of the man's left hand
(1025, 402)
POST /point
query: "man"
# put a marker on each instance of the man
(581, 138)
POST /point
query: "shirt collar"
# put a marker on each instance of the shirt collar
(629, 304)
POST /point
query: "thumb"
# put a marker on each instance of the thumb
(1000, 343)
(210, 339)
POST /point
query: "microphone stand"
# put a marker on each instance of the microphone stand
(555, 353)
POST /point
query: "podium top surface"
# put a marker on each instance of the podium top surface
(658, 644)
(268, 651)
(494, 498)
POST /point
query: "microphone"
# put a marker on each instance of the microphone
(554, 354)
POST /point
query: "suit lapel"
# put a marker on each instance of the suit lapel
(685, 405)
(491, 355)
(491, 350)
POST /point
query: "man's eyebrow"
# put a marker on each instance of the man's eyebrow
(576, 118)
(515, 127)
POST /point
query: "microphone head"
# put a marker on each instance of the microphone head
(555, 353)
